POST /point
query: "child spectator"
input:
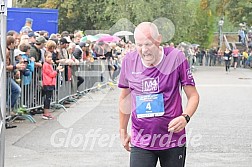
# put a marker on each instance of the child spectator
(49, 82)
(29, 62)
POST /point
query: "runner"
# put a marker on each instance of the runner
(151, 80)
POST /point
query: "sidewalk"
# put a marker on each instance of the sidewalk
(219, 134)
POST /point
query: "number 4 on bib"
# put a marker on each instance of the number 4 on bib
(151, 105)
(148, 106)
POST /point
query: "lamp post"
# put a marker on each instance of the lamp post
(221, 22)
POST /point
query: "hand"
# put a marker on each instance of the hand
(77, 62)
(32, 59)
(177, 124)
(60, 68)
(69, 61)
(38, 64)
(21, 66)
(125, 140)
(62, 61)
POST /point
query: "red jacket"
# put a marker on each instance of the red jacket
(49, 75)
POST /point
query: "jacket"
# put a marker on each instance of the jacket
(27, 73)
(49, 75)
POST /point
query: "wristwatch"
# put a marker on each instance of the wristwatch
(187, 117)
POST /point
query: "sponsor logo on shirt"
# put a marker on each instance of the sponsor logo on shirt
(150, 85)
(189, 75)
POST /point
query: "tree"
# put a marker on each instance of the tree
(203, 29)
(190, 20)
(240, 11)
(30, 3)
(237, 11)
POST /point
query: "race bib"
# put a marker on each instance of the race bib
(150, 105)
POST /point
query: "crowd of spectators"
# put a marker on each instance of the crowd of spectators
(25, 54)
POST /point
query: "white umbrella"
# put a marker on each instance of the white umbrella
(123, 33)
(195, 45)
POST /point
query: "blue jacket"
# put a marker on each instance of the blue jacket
(27, 75)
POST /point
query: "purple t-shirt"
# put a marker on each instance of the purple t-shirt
(167, 79)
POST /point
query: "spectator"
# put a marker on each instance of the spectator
(27, 27)
(71, 36)
(36, 52)
(63, 45)
(70, 51)
(249, 61)
(64, 34)
(111, 62)
(219, 56)
(45, 34)
(77, 37)
(80, 51)
(15, 35)
(172, 44)
(207, 55)
(100, 50)
(53, 36)
(51, 47)
(10, 67)
(25, 47)
(49, 82)
(244, 57)
(241, 34)
(64, 57)
(24, 38)
(32, 38)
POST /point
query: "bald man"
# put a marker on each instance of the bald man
(151, 79)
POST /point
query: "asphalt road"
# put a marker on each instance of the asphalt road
(219, 134)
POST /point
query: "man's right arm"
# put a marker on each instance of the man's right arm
(124, 115)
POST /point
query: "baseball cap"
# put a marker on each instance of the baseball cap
(32, 34)
(68, 39)
(29, 20)
(63, 41)
(40, 39)
(18, 52)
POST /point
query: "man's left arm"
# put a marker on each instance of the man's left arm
(179, 123)
(193, 100)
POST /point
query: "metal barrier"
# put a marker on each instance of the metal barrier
(94, 75)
